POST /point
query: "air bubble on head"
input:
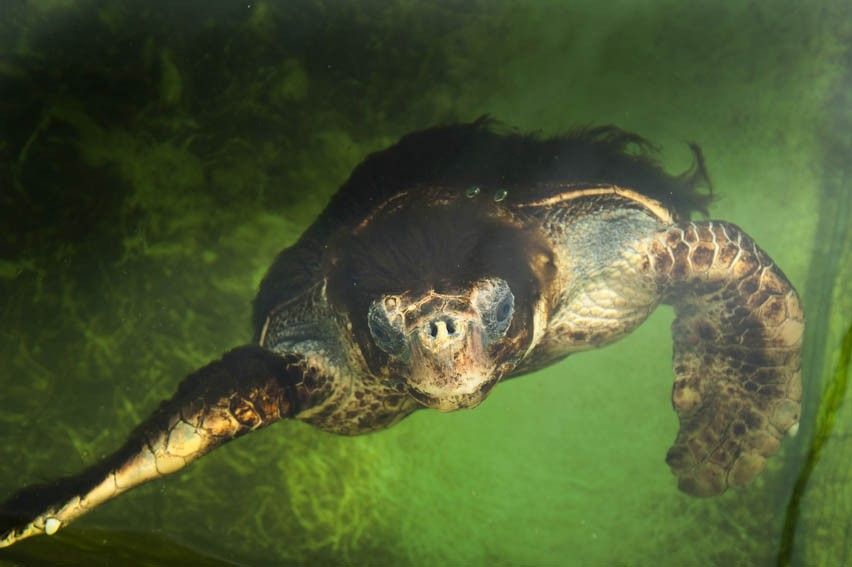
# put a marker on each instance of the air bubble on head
(472, 192)
(51, 525)
(500, 195)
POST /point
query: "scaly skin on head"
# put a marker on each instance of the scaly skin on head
(451, 345)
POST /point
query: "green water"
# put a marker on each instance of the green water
(154, 156)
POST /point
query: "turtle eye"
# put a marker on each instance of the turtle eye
(386, 329)
(496, 304)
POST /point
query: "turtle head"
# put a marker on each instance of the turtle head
(456, 345)
(445, 293)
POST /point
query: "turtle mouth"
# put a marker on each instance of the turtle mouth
(452, 402)
(453, 376)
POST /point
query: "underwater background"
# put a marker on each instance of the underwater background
(156, 155)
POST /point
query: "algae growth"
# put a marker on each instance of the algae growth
(154, 157)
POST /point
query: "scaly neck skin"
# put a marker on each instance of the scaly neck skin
(596, 241)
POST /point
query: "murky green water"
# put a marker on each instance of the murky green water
(154, 156)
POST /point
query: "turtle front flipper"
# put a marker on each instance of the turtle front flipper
(737, 353)
(247, 389)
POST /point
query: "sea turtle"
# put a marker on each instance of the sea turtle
(468, 254)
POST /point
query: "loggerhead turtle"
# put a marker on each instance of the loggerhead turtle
(462, 256)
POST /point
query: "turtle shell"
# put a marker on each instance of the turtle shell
(480, 154)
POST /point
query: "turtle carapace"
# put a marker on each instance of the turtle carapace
(463, 256)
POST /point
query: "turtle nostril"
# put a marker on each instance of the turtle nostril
(451, 327)
(441, 328)
(433, 329)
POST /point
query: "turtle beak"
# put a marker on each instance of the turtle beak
(450, 364)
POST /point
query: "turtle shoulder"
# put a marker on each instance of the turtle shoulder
(341, 397)
(483, 154)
